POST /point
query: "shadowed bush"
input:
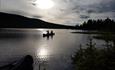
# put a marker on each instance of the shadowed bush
(92, 58)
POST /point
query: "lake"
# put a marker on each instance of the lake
(53, 53)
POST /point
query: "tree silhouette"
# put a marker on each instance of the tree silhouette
(99, 24)
(92, 58)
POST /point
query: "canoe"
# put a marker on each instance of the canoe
(46, 35)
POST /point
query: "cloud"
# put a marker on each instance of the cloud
(83, 10)
(22, 7)
(102, 7)
(65, 11)
(84, 16)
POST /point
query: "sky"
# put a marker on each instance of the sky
(70, 12)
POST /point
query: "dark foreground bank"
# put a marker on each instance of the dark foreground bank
(92, 58)
(25, 63)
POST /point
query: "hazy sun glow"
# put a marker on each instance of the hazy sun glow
(42, 53)
(44, 4)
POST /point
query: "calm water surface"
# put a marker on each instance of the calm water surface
(52, 54)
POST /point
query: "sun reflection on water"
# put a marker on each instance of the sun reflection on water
(42, 53)
(43, 31)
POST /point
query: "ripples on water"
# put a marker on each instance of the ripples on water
(52, 54)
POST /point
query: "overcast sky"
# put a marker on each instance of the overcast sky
(64, 11)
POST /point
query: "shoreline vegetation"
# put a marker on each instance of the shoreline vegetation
(94, 32)
(98, 25)
(92, 58)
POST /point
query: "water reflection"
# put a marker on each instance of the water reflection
(47, 53)
(43, 31)
(42, 53)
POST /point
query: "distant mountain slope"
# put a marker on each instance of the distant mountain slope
(17, 21)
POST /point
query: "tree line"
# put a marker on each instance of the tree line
(106, 24)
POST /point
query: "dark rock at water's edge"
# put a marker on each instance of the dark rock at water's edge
(17, 21)
(25, 63)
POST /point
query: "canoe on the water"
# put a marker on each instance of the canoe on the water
(51, 34)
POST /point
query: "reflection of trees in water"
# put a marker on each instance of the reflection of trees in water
(42, 62)
(92, 58)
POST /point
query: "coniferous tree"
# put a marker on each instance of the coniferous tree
(106, 25)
